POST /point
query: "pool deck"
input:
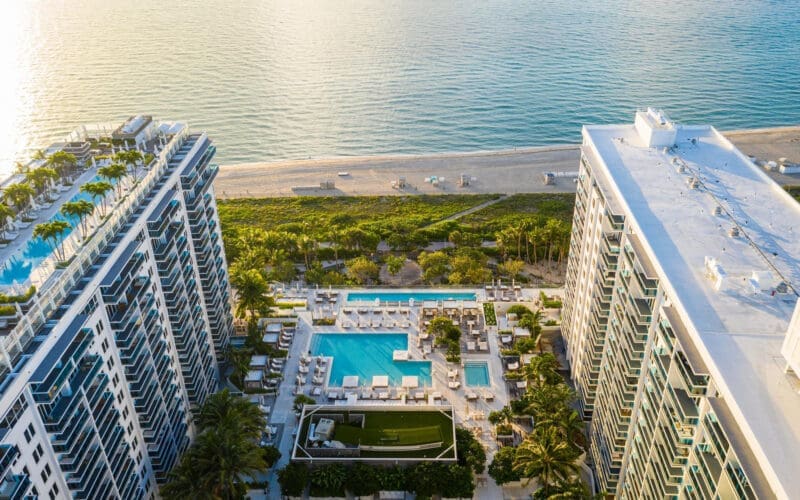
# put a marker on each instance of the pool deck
(469, 414)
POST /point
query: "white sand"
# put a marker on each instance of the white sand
(510, 171)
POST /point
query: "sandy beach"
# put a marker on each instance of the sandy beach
(508, 171)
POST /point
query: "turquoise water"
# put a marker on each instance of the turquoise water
(271, 79)
(476, 374)
(404, 296)
(18, 267)
(367, 355)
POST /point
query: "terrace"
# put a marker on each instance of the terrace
(377, 434)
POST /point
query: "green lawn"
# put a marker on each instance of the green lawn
(398, 428)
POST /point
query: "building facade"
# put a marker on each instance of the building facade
(680, 291)
(104, 365)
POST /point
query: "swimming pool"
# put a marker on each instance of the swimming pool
(405, 296)
(476, 374)
(367, 355)
(18, 267)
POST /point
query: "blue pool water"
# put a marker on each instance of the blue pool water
(404, 296)
(21, 263)
(367, 355)
(476, 374)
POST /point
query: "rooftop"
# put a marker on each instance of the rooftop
(724, 238)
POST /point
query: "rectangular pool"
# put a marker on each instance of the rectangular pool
(405, 296)
(367, 355)
(476, 374)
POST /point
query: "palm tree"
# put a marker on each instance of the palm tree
(97, 190)
(239, 361)
(41, 177)
(63, 162)
(569, 425)
(224, 410)
(80, 209)
(20, 195)
(547, 399)
(39, 154)
(130, 157)
(114, 173)
(224, 453)
(5, 213)
(543, 369)
(53, 232)
(251, 290)
(546, 456)
(20, 168)
(306, 244)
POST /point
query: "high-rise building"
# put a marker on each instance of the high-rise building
(682, 282)
(103, 363)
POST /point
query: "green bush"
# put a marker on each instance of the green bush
(25, 297)
(293, 479)
(489, 314)
(8, 310)
(502, 467)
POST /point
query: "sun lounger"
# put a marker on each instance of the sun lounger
(488, 396)
(437, 395)
(470, 346)
(316, 391)
(454, 384)
(303, 369)
(317, 381)
(471, 396)
(483, 346)
(513, 366)
(383, 395)
(332, 395)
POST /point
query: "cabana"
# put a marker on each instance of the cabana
(400, 355)
(430, 308)
(258, 362)
(253, 379)
(410, 382)
(380, 381)
(350, 381)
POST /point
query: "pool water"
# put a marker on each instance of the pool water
(405, 296)
(476, 374)
(18, 267)
(367, 355)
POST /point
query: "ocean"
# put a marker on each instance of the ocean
(279, 79)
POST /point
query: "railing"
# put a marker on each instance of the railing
(59, 282)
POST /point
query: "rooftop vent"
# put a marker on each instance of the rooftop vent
(718, 210)
(734, 232)
(694, 183)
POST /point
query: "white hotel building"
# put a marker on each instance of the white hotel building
(682, 284)
(101, 369)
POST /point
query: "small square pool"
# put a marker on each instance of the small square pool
(476, 374)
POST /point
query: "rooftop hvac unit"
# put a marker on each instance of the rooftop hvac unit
(718, 210)
(734, 232)
(694, 183)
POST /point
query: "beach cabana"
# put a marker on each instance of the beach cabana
(521, 332)
(350, 381)
(253, 379)
(380, 381)
(400, 355)
(258, 362)
(430, 308)
(410, 382)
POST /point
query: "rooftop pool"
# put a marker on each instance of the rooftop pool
(405, 296)
(476, 374)
(19, 266)
(367, 355)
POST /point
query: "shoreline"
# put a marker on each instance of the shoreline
(506, 171)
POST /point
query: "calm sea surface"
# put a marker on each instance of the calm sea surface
(280, 79)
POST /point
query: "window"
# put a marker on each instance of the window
(119, 397)
(46, 473)
(125, 413)
(54, 492)
(104, 345)
(37, 453)
(29, 433)
(115, 380)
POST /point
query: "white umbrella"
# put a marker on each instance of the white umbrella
(350, 381)
(380, 381)
(410, 382)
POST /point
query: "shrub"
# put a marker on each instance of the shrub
(293, 479)
(470, 451)
(328, 480)
(362, 479)
(502, 467)
(489, 314)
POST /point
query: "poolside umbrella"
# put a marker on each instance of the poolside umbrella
(380, 381)
(350, 381)
(410, 382)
